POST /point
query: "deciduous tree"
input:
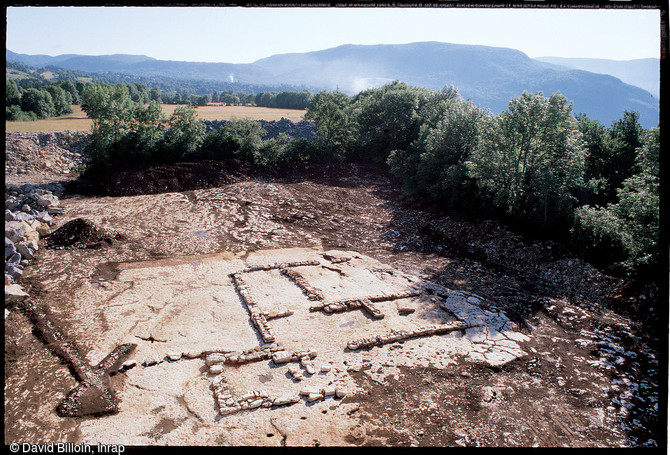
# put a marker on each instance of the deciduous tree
(531, 159)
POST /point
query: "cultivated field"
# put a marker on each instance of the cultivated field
(77, 120)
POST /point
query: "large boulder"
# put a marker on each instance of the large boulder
(10, 248)
(20, 231)
(14, 293)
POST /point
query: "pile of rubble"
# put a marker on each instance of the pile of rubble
(29, 211)
(545, 265)
(55, 152)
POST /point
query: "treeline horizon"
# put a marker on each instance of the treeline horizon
(45, 100)
(535, 166)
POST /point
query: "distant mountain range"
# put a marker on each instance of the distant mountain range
(489, 76)
(643, 72)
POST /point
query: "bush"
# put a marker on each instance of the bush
(624, 236)
(14, 113)
(182, 139)
(39, 102)
(434, 164)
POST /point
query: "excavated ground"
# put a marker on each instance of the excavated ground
(554, 361)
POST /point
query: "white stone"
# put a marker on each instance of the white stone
(149, 362)
(215, 357)
(14, 293)
(326, 368)
(309, 391)
(281, 357)
(174, 356)
(340, 393)
(229, 410)
(314, 397)
(285, 400)
(256, 404)
(248, 396)
(216, 369)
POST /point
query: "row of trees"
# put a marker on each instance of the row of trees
(32, 98)
(34, 103)
(125, 133)
(285, 99)
(536, 165)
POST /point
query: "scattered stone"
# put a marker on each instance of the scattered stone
(309, 367)
(14, 293)
(27, 249)
(150, 362)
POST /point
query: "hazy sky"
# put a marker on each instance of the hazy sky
(243, 35)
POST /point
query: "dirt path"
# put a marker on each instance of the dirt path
(558, 369)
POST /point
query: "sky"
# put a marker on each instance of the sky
(246, 34)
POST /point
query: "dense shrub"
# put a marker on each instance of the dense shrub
(38, 101)
(623, 236)
(14, 113)
(434, 164)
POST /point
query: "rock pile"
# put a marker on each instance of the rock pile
(273, 128)
(545, 266)
(29, 211)
(47, 152)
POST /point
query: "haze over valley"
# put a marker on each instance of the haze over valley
(489, 76)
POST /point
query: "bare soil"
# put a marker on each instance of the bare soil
(589, 377)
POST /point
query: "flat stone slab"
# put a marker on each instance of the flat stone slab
(201, 352)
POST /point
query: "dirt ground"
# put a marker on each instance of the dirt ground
(584, 373)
